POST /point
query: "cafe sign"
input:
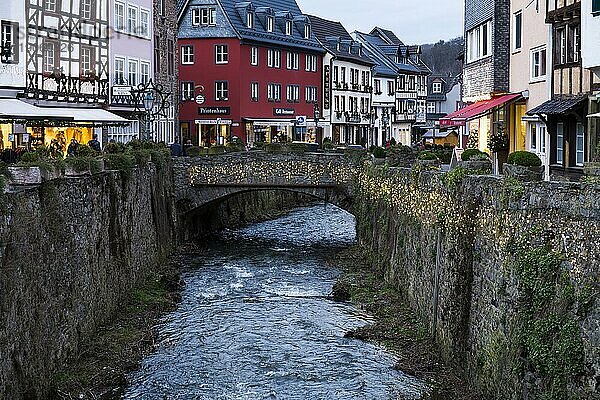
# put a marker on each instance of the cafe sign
(287, 112)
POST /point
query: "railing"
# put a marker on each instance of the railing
(60, 87)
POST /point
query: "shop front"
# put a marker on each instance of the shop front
(213, 132)
(270, 130)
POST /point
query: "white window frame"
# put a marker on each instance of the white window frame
(120, 17)
(560, 140)
(9, 36)
(250, 20)
(292, 60)
(538, 63)
(187, 91)
(221, 54)
(311, 94)
(254, 56)
(270, 23)
(289, 28)
(221, 90)
(132, 23)
(187, 54)
(135, 72)
(208, 16)
(144, 71)
(293, 93)
(562, 35)
(86, 9)
(430, 107)
(254, 91)
(119, 72)
(476, 41)
(87, 66)
(580, 144)
(144, 24)
(274, 92)
(436, 87)
(517, 46)
(307, 31)
(311, 63)
(195, 16)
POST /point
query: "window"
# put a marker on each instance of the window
(187, 55)
(157, 54)
(274, 92)
(254, 91)
(171, 57)
(119, 16)
(50, 56)
(144, 28)
(292, 60)
(208, 16)
(221, 54)
(596, 6)
(311, 63)
(543, 138)
(343, 103)
(86, 59)
(538, 64)
(377, 84)
(479, 42)
(270, 24)
(336, 74)
(288, 28)
(391, 88)
(87, 9)
(132, 73)
(195, 20)
(132, 19)
(431, 107)
(293, 93)
(343, 74)
(560, 132)
(518, 30)
(250, 20)
(437, 87)
(254, 56)
(119, 70)
(144, 72)
(221, 90)
(51, 5)
(336, 103)
(311, 94)
(187, 91)
(533, 138)
(274, 58)
(562, 45)
(10, 39)
(579, 144)
(576, 43)
(306, 31)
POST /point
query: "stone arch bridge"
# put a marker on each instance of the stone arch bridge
(202, 181)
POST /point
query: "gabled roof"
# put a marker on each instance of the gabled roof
(390, 51)
(386, 35)
(235, 12)
(384, 66)
(335, 38)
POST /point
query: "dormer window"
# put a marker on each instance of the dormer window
(288, 28)
(270, 24)
(306, 31)
(437, 87)
(250, 20)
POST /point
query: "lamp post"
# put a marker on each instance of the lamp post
(148, 106)
(385, 119)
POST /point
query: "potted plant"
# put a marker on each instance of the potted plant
(475, 160)
(524, 166)
(33, 169)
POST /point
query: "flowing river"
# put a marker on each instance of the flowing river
(256, 322)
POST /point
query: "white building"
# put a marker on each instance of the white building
(347, 85)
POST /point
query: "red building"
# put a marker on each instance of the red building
(250, 70)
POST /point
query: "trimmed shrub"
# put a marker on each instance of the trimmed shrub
(216, 150)
(427, 156)
(274, 148)
(114, 148)
(524, 158)
(79, 164)
(120, 161)
(30, 157)
(83, 150)
(379, 152)
(297, 148)
(195, 151)
(473, 155)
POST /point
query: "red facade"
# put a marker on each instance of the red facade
(216, 121)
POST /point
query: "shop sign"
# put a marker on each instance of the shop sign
(26, 138)
(217, 121)
(200, 99)
(11, 137)
(278, 112)
(120, 90)
(327, 88)
(301, 120)
(214, 110)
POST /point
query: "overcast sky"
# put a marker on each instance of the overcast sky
(413, 21)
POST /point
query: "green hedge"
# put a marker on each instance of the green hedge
(427, 155)
(524, 158)
(473, 155)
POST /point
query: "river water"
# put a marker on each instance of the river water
(255, 322)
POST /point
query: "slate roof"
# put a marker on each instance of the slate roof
(559, 104)
(386, 35)
(390, 51)
(383, 65)
(234, 11)
(329, 33)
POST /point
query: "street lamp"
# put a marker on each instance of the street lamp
(385, 119)
(148, 106)
(316, 115)
(153, 100)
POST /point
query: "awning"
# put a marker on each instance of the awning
(14, 109)
(438, 135)
(86, 115)
(475, 110)
(597, 115)
(559, 105)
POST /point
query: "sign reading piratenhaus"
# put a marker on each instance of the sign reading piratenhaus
(214, 110)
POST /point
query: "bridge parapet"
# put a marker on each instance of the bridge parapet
(277, 170)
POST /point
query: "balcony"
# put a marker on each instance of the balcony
(59, 87)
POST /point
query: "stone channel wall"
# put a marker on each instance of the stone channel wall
(71, 251)
(505, 274)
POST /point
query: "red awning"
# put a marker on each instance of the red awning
(460, 117)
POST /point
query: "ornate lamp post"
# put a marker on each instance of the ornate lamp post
(151, 99)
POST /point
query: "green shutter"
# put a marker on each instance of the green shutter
(595, 6)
